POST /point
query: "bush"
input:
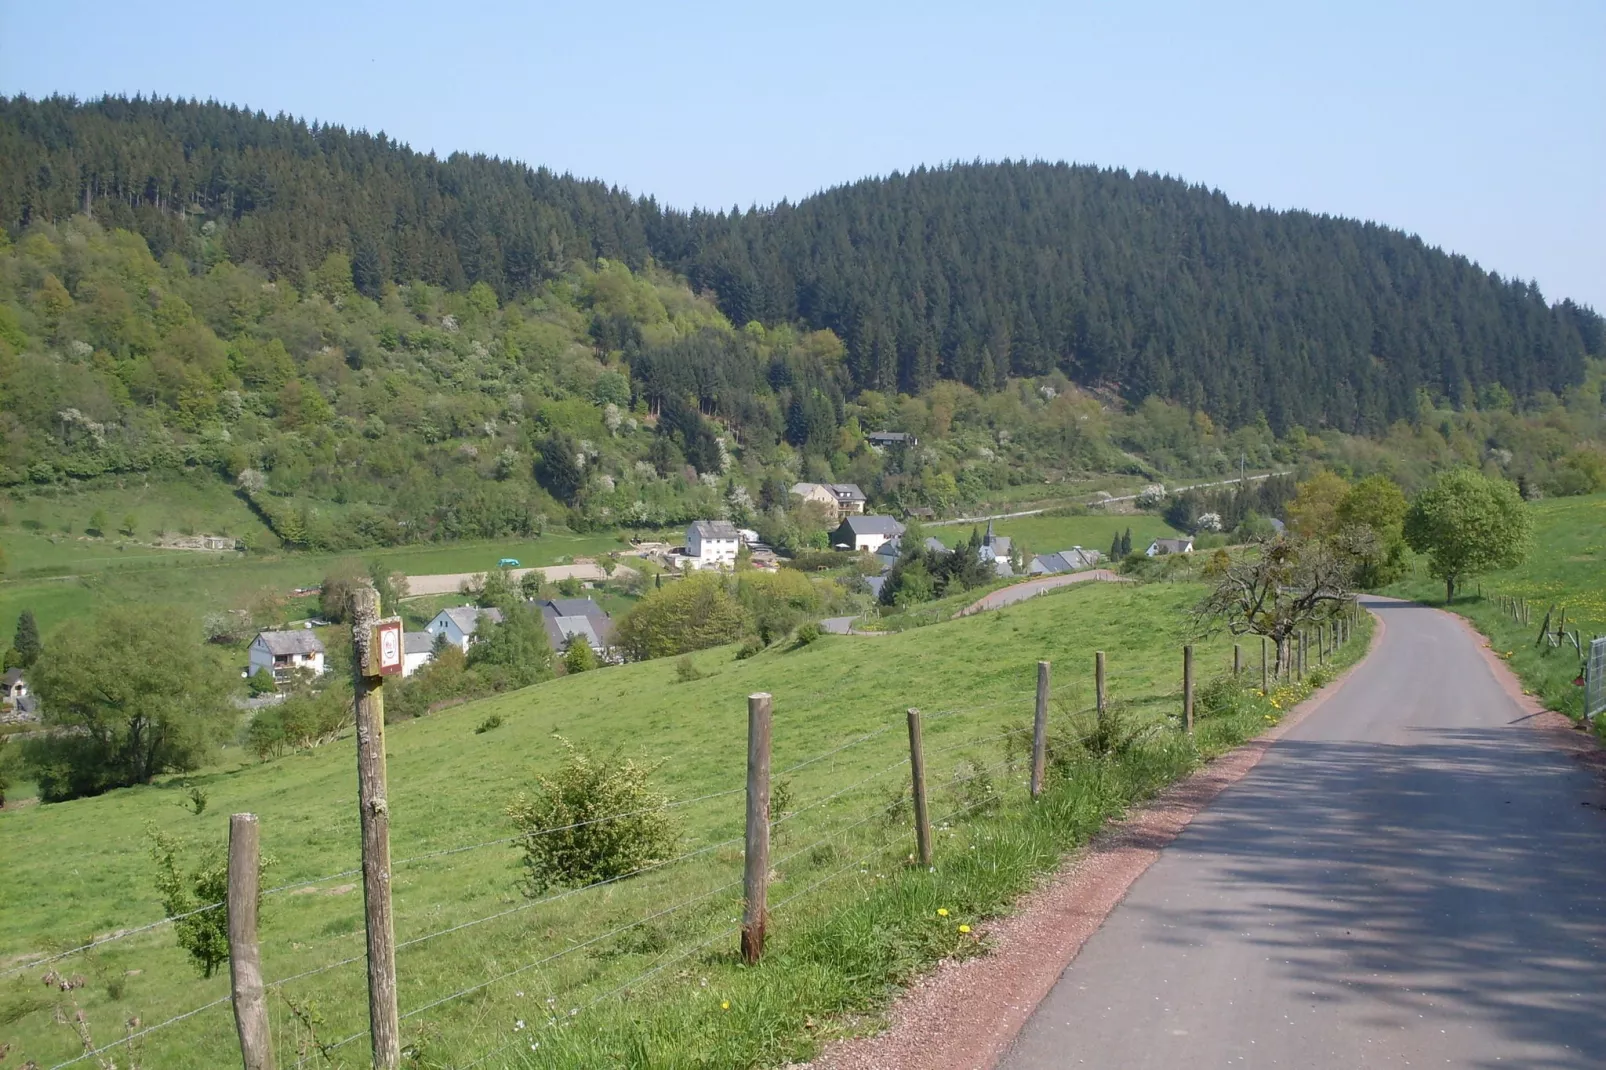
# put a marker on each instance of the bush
(204, 935)
(691, 614)
(686, 670)
(752, 645)
(808, 634)
(493, 721)
(579, 657)
(261, 682)
(595, 820)
(1220, 696)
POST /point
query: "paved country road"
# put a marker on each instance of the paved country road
(1020, 592)
(1410, 877)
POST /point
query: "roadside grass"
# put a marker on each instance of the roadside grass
(78, 870)
(1567, 570)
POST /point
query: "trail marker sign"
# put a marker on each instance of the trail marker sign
(385, 648)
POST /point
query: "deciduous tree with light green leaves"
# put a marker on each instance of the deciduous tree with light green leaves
(1467, 524)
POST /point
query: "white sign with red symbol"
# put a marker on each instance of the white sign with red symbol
(385, 648)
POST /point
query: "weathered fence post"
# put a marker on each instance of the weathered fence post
(245, 959)
(1040, 730)
(1099, 701)
(376, 650)
(1187, 688)
(1321, 643)
(1237, 660)
(755, 875)
(1264, 681)
(1302, 654)
(917, 773)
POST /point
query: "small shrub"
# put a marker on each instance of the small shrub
(971, 788)
(261, 682)
(579, 657)
(204, 935)
(595, 819)
(1319, 677)
(195, 799)
(686, 670)
(808, 633)
(493, 721)
(752, 645)
(1219, 697)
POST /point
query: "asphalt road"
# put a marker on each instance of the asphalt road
(1410, 877)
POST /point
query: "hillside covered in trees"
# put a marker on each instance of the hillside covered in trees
(1132, 284)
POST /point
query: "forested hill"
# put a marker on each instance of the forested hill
(1141, 284)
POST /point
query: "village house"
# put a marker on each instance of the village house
(13, 689)
(880, 440)
(865, 534)
(1075, 559)
(569, 619)
(460, 623)
(712, 543)
(1160, 547)
(839, 499)
(283, 653)
(418, 650)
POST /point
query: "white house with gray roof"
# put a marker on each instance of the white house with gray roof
(866, 534)
(282, 653)
(459, 624)
(418, 650)
(712, 543)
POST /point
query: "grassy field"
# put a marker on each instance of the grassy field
(78, 870)
(1566, 570)
(1049, 534)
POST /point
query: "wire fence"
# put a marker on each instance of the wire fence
(835, 819)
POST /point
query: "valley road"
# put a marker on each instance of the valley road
(1410, 877)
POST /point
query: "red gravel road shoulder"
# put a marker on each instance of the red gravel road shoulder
(1007, 596)
(964, 1015)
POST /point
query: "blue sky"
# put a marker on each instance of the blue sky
(1481, 127)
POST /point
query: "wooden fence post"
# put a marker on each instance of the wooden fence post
(1237, 660)
(917, 772)
(1264, 689)
(1187, 688)
(245, 959)
(374, 812)
(1321, 643)
(1040, 730)
(756, 873)
(1098, 685)
(1302, 654)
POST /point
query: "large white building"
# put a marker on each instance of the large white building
(712, 543)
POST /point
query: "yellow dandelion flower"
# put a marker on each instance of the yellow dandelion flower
(964, 928)
(942, 912)
(725, 1005)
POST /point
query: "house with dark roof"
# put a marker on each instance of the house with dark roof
(880, 440)
(842, 499)
(13, 689)
(1075, 559)
(569, 619)
(458, 624)
(1160, 547)
(282, 653)
(865, 534)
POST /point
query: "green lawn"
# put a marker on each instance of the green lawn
(1565, 570)
(1048, 534)
(76, 870)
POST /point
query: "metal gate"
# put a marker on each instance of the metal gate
(1595, 679)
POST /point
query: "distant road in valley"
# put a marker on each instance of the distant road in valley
(1095, 502)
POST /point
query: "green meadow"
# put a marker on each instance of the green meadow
(1048, 534)
(79, 870)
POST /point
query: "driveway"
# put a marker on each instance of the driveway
(1412, 876)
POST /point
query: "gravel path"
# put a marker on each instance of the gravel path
(452, 582)
(1008, 596)
(1412, 876)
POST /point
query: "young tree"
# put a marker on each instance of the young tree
(514, 653)
(126, 702)
(98, 524)
(696, 612)
(1287, 585)
(1377, 505)
(26, 643)
(579, 657)
(1466, 524)
(1314, 511)
(559, 470)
